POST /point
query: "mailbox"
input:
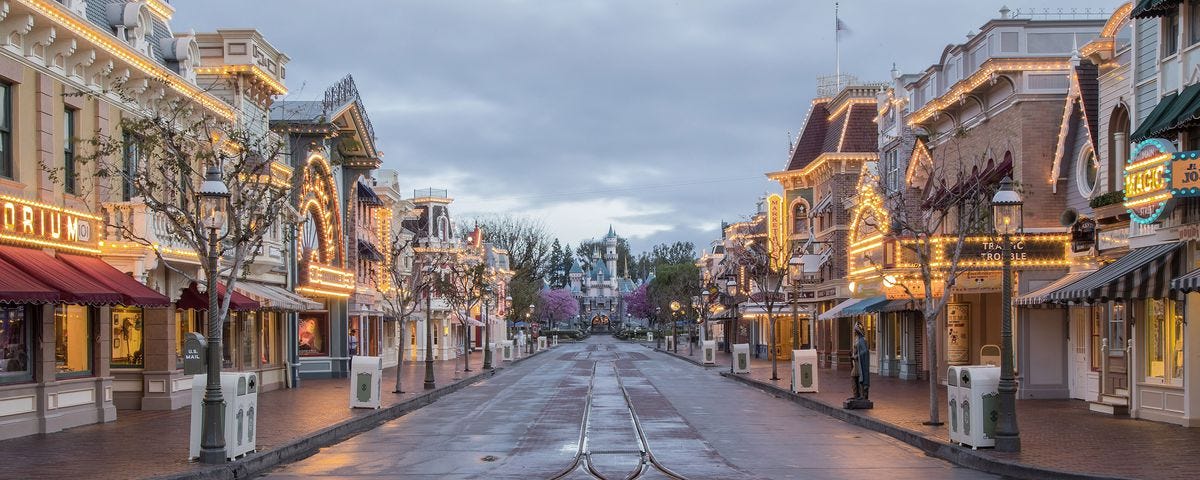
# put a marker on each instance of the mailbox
(194, 348)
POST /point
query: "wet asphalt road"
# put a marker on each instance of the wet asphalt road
(526, 424)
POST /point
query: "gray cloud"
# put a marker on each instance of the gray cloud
(659, 116)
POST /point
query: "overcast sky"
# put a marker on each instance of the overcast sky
(659, 117)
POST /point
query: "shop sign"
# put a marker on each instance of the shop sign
(1112, 238)
(912, 289)
(44, 224)
(958, 340)
(1083, 235)
(1030, 248)
(1155, 175)
(1189, 232)
(978, 282)
(776, 232)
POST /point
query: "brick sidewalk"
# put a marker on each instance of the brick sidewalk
(1057, 435)
(143, 444)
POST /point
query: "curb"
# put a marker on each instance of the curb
(955, 454)
(259, 463)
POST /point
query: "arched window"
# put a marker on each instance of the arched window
(1118, 147)
(800, 218)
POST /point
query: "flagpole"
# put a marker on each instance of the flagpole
(837, 47)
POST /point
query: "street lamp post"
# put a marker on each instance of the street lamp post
(691, 331)
(731, 288)
(214, 202)
(675, 326)
(430, 383)
(487, 329)
(1007, 217)
(795, 271)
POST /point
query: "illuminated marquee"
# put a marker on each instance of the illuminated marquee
(37, 224)
(776, 232)
(1155, 175)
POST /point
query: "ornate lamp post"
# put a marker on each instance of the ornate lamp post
(487, 328)
(214, 203)
(691, 331)
(1006, 215)
(731, 289)
(430, 382)
(675, 326)
(796, 273)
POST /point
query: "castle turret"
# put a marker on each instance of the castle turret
(610, 251)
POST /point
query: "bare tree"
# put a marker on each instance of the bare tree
(931, 226)
(462, 287)
(157, 161)
(765, 260)
(526, 240)
(400, 289)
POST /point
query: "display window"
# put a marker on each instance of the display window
(248, 338)
(127, 337)
(1164, 342)
(72, 341)
(15, 340)
(313, 334)
(227, 342)
(269, 339)
(186, 321)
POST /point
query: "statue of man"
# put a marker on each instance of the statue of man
(861, 356)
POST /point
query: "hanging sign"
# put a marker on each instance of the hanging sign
(776, 233)
(958, 341)
(1083, 235)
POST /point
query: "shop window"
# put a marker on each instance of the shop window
(1164, 342)
(72, 341)
(130, 159)
(1193, 22)
(186, 321)
(247, 339)
(268, 338)
(800, 218)
(868, 322)
(1116, 330)
(389, 333)
(15, 340)
(127, 340)
(69, 151)
(6, 156)
(314, 335)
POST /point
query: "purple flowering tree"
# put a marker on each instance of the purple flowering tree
(638, 303)
(558, 305)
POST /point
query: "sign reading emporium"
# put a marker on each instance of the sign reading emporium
(1155, 175)
(32, 223)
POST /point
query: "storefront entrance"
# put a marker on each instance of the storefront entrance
(783, 338)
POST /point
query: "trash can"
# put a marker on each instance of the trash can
(670, 342)
(710, 352)
(366, 380)
(953, 400)
(741, 358)
(649, 336)
(804, 371)
(506, 351)
(979, 402)
(239, 398)
(541, 343)
(554, 341)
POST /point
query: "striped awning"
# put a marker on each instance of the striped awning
(1188, 282)
(1042, 295)
(1153, 8)
(1142, 273)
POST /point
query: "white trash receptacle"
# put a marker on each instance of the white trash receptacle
(710, 352)
(366, 381)
(670, 342)
(541, 344)
(954, 423)
(649, 336)
(506, 350)
(804, 371)
(239, 395)
(741, 358)
(979, 399)
(554, 342)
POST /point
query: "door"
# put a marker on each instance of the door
(783, 338)
(1117, 379)
(1077, 346)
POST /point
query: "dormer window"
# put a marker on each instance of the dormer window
(132, 23)
(183, 54)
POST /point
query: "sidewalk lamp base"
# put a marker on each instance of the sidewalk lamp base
(858, 404)
(1008, 444)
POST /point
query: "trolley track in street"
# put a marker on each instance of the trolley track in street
(597, 463)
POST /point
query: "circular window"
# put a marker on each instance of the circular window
(1088, 173)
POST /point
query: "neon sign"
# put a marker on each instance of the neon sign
(24, 221)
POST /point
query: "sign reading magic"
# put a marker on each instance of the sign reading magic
(33, 223)
(1155, 175)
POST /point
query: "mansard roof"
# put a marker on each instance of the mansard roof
(844, 124)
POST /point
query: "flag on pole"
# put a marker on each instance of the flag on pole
(841, 27)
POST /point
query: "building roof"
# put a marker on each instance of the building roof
(845, 124)
(611, 233)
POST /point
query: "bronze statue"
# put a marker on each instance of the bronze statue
(860, 371)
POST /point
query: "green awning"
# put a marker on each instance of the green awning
(863, 306)
(1153, 119)
(1153, 8)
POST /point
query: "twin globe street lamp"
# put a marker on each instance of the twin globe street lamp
(213, 200)
(1007, 219)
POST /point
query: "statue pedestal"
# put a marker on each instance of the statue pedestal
(857, 404)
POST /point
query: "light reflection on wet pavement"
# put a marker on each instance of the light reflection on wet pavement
(525, 424)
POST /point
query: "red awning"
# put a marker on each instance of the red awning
(17, 287)
(133, 293)
(192, 297)
(73, 286)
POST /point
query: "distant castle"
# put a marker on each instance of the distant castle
(598, 288)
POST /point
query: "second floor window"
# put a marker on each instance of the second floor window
(1170, 34)
(130, 158)
(1193, 22)
(6, 157)
(69, 152)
